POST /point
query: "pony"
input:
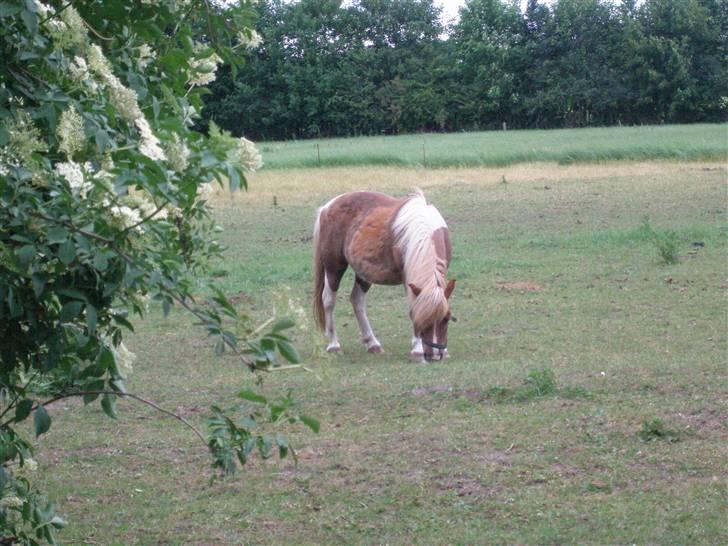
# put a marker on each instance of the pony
(389, 241)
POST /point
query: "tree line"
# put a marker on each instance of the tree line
(328, 68)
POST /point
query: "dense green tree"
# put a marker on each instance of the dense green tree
(484, 46)
(388, 66)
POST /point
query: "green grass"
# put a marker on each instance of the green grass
(499, 148)
(584, 401)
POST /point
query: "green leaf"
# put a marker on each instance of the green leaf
(311, 423)
(106, 359)
(251, 396)
(7, 9)
(58, 522)
(96, 385)
(57, 235)
(70, 311)
(101, 262)
(38, 282)
(103, 140)
(31, 21)
(71, 293)
(108, 404)
(23, 409)
(67, 252)
(282, 324)
(288, 351)
(41, 421)
(25, 254)
(283, 446)
(91, 318)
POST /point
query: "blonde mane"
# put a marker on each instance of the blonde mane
(413, 227)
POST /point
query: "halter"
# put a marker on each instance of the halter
(441, 346)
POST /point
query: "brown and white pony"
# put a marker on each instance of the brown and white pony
(386, 241)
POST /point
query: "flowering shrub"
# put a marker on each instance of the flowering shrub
(102, 207)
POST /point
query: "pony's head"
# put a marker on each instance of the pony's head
(430, 313)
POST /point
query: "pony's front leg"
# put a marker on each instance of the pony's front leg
(328, 298)
(417, 351)
(359, 303)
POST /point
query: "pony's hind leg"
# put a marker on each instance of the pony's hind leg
(359, 303)
(328, 298)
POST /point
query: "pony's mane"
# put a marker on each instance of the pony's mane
(413, 227)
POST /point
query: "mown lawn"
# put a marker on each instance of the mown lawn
(585, 400)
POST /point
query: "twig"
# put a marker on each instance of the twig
(117, 393)
(128, 259)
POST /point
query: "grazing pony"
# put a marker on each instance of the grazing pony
(386, 241)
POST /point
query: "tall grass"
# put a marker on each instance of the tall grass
(500, 148)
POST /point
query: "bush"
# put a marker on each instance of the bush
(103, 186)
(666, 242)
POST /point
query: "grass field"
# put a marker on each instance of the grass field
(585, 400)
(499, 148)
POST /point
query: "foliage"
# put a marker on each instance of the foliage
(389, 67)
(539, 383)
(666, 242)
(230, 441)
(655, 429)
(103, 188)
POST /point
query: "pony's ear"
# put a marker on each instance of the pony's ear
(449, 288)
(416, 291)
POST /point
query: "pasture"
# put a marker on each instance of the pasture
(499, 148)
(584, 402)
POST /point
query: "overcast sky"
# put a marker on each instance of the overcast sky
(449, 8)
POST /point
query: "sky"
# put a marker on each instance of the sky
(449, 8)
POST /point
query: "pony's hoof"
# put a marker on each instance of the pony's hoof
(417, 357)
(375, 349)
(334, 350)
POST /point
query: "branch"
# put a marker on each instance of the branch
(128, 259)
(109, 242)
(117, 393)
(144, 220)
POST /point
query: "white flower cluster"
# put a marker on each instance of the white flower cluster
(205, 191)
(146, 56)
(203, 69)
(80, 74)
(247, 155)
(250, 39)
(24, 139)
(11, 501)
(70, 131)
(125, 216)
(178, 154)
(75, 175)
(124, 358)
(71, 31)
(150, 143)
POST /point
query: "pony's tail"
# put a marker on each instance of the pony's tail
(318, 276)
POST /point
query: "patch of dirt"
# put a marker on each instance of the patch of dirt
(187, 411)
(495, 458)
(520, 286)
(471, 394)
(706, 421)
(436, 389)
(462, 485)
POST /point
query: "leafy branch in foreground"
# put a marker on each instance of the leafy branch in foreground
(103, 207)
